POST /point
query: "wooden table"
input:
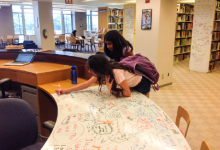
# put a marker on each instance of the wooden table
(93, 120)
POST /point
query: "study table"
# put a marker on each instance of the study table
(94, 120)
(47, 67)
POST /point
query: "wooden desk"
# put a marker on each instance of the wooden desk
(45, 77)
(93, 120)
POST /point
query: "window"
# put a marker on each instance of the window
(17, 19)
(92, 20)
(57, 21)
(67, 21)
(29, 21)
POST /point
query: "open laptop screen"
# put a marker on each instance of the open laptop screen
(24, 57)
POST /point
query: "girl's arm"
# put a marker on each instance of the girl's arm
(125, 89)
(124, 85)
(77, 87)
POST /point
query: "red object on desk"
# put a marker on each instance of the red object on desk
(147, 1)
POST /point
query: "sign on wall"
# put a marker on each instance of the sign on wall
(69, 1)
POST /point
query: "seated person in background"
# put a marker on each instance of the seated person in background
(73, 34)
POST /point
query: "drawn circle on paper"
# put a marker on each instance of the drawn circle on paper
(68, 133)
(114, 146)
(84, 144)
(71, 119)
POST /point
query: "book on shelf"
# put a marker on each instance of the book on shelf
(215, 56)
(216, 36)
(217, 5)
(217, 15)
(215, 46)
(177, 50)
(189, 9)
(217, 26)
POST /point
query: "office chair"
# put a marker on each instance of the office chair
(18, 125)
(4, 94)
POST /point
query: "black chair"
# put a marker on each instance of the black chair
(4, 94)
(18, 125)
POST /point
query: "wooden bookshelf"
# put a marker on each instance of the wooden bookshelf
(183, 36)
(115, 20)
(215, 45)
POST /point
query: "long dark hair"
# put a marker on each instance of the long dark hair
(118, 42)
(101, 67)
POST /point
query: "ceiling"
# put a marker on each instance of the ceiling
(82, 5)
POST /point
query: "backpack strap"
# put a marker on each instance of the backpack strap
(155, 87)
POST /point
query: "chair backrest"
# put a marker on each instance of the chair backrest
(9, 36)
(9, 41)
(18, 124)
(205, 146)
(181, 112)
(16, 36)
(62, 38)
(4, 39)
(72, 40)
(68, 38)
(93, 40)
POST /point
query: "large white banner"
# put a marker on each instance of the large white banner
(129, 23)
(202, 35)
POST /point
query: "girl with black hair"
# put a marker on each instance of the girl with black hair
(119, 78)
(116, 46)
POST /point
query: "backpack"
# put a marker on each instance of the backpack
(142, 66)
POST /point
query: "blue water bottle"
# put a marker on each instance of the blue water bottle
(73, 74)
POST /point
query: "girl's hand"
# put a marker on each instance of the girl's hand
(60, 91)
(109, 84)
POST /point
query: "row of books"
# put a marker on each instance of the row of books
(216, 36)
(217, 26)
(182, 42)
(215, 46)
(217, 5)
(217, 15)
(180, 50)
(181, 57)
(115, 20)
(181, 17)
(116, 26)
(215, 56)
(116, 12)
(182, 34)
(184, 8)
(184, 26)
(214, 64)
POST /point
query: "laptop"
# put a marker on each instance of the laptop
(22, 59)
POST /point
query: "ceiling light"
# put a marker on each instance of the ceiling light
(5, 4)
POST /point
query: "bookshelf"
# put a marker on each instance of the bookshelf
(183, 36)
(115, 20)
(215, 45)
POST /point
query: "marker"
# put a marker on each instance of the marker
(59, 88)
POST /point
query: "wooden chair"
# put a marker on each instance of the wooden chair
(205, 146)
(9, 39)
(181, 112)
(16, 39)
(72, 42)
(62, 39)
(4, 41)
(91, 44)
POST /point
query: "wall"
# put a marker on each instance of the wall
(6, 21)
(103, 18)
(158, 43)
(43, 10)
(80, 18)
